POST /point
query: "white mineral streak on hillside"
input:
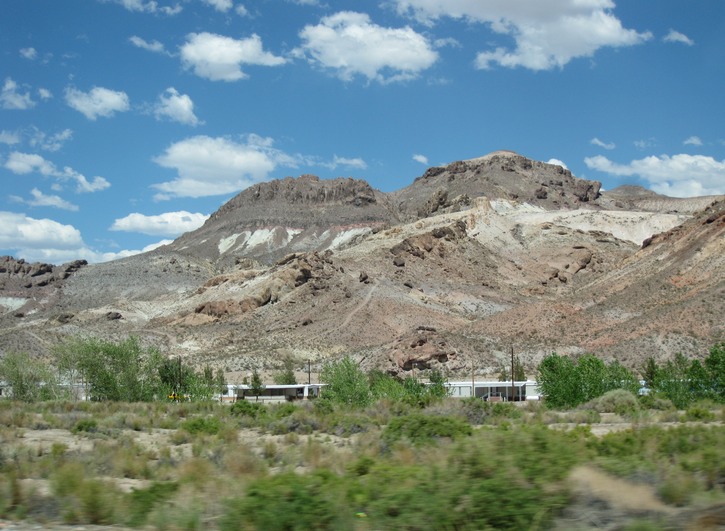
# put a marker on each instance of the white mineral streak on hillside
(271, 238)
(260, 237)
(346, 236)
(631, 226)
(226, 243)
(624, 225)
(10, 304)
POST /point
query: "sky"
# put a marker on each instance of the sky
(125, 123)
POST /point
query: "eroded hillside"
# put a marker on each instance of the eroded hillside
(450, 273)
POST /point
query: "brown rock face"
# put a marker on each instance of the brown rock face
(502, 174)
(293, 214)
(22, 279)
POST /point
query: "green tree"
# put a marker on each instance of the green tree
(715, 365)
(699, 383)
(519, 372)
(383, 386)
(256, 385)
(220, 381)
(649, 372)
(202, 385)
(437, 387)
(176, 376)
(619, 377)
(123, 371)
(31, 380)
(592, 375)
(286, 375)
(673, 381)
(347, 384)
(567, 384)
(558, 381)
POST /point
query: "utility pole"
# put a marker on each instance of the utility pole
(513, 380)
(473, 381)
(309, 373)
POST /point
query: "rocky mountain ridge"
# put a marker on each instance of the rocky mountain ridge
(453, 271)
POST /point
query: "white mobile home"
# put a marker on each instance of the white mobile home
(494, 391)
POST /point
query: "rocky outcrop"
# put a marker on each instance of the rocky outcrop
(19, 275)
(269, 220)
(502, 174)
(420, 350)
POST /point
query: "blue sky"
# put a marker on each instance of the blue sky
(124, 123)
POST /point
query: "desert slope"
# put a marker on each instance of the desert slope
(453, 271)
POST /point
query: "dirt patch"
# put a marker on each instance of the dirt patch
(619, 494)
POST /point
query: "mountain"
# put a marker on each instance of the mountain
(470, 260)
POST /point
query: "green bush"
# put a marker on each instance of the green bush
(700, 413)
(205, 425)
(280, 411)
(143, 501)
(421, 429)
(616, 401)
(345, 424)
(300, 421)
(247, 408)
(87, 425)
(287, 501)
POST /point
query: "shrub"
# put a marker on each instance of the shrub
(281, 411)
(677, 489)
(699, 413)
(143, 501)
(616, 401)
(246, 408)
(286, 501)
(97, 502)
(344, 424)
(422, 429)
(300, 421)
(205, 425)
(87, 425)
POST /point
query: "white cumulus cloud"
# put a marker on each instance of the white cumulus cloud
(24, 163)
(547, 33)
(12, 97)
(677, 175)
(221, 58)
(153, 46)
(170, 224)
(49, 142)
(557, 162)
(605, 145)
(220, 5)
(97, 102)
(693, 141)
(9, 138)
(40, 199)
(46, 240)
(420, 158)
(676, 36)
(18, 231)
(28, 53)
(213, 166)
(349, 44)
(150, 6)
(348, 162)
(176, 107)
